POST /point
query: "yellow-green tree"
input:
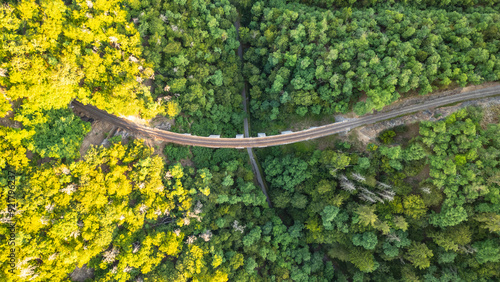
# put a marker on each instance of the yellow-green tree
(98, 210)
(53, 53)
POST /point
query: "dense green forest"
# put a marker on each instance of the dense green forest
(306, 60)
(106, 52)
(193, 45)
(421, 205)
(378, 220)
(338, 215)
(371, 3)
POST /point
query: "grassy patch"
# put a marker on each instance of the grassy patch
(300, 147)
(292, 122)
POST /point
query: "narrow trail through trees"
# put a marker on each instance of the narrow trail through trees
(253, 159)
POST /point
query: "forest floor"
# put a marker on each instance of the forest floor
(82, 274)
(297, 123)
(491, 115)
(421, 176)
(7, 121)
(100, 130)
(412, 130)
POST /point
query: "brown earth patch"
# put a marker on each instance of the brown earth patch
(363, 97)
(7, 121)
(187, 162)
(82, 274)
(100, 130)
(326, 142)
(421, 176)
(158, 147)
(308, 122)
(412, 130)
(354, 138)
(150, 83)
(491, 115)
(162, 122)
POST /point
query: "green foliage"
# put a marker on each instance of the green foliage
(75, 209)
(58, 52)
(193, 47)
(414, 152)
(400, 224)
(217, 223)
(328, 215)
(367, 240)
(431, 197)
(250, 265)
(387, 136)
(447, 257)
(487, 251)
(394, 242)
(286, 172)
(57, 133)
(253, 236)
(414, 206)
(366, 215)
(176, 152)
(12, 152)
(332, 57)
(490, 221)
(129, 216)
(364, 163)
(419, 255)
(424, 3)
(363, 260)
(452, 238)
(334, 159)
(449, 216)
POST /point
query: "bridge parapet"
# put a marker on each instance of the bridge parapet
(240, 136)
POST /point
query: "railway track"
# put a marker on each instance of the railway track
(275, 140)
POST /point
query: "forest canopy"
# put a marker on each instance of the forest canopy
(418, 202)
(53, 53)
(337, 213)
(376, 216)
(193, 47)
(305, 59)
